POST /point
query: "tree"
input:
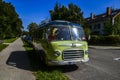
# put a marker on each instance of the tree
(108, 29)
(117, 25)
(25, 32)
(112, 29)
(9, 21)
(31, 27)
(59, 12)
(73, 13)
(0, 1)
(87, 32)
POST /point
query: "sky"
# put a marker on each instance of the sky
(38, 10)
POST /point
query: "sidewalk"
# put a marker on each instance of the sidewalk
(14, 63)
(104, 47)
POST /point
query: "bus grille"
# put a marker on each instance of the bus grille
(73, 54)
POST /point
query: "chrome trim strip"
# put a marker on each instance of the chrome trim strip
(71, 45)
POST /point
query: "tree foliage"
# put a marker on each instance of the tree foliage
(10, 23)
(108, 29)
(71, 13)
(31, 27)
(112, 29)
(117, 26)
(25, 32)
(87, 31)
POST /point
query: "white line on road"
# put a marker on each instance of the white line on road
(117, 58)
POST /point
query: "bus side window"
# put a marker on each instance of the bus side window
(48, 32)
(45, 36)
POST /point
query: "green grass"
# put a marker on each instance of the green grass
(43, 72)
(52, 75)
(2, 46)
(9, 40)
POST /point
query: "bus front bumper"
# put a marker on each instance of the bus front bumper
(70, 62)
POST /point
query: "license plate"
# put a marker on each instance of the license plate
(70, 63)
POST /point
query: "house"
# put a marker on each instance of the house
(97, 22)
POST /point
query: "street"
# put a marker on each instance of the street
(104, 64)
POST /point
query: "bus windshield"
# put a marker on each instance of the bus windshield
(65, 33)
(77, 33)
(58, 33)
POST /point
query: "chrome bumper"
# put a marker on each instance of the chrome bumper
(70, 62)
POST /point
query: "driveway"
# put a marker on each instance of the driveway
(14, 63)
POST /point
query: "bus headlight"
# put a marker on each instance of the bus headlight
(57, 53)
(86, 52)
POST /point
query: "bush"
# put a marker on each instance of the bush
(113, 39)
(105, 40)
(94, 39)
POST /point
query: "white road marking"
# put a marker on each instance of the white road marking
(117, 58)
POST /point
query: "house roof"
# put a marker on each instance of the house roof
(102, 17)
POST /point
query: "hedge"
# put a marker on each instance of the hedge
(105, 40)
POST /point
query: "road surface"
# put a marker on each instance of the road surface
(104, 64)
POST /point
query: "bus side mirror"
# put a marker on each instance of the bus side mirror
(89, 37)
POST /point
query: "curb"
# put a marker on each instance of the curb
(103, 47)
(7, 43)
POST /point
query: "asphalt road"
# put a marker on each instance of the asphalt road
(103, 65)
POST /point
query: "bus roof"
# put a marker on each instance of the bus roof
(60, 23)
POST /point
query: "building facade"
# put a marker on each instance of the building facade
(97, 22)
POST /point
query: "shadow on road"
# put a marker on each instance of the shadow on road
(69, 68)
(64, 69)
(19, 59)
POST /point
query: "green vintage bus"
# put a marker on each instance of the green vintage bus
(61, 43)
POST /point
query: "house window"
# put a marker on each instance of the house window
(97, 26)
(104, 24)
(96, 33)
(94, 27)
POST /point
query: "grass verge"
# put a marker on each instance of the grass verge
(9, 40)
(42, 72)
(2, 46)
